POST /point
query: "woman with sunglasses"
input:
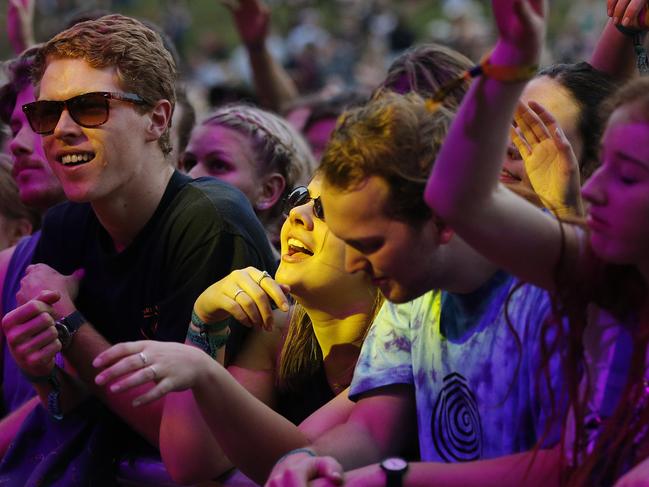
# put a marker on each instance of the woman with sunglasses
(283, 372)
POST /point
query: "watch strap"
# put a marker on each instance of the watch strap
(71, 323)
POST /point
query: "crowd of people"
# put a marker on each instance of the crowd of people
(438, 279)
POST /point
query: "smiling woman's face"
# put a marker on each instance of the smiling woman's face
(225, 154)
(313, 259)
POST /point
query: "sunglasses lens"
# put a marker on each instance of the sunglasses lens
(318, 210)
(43, 115)
(297, 197)
(89, 110)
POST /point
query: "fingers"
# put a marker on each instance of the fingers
(530, 125)
(519, 141)
(130, 363)
(618, 10)
(553, 128)
(117, 352)
(330, 469)
(250, 297)
(26, 321)
(142, 375)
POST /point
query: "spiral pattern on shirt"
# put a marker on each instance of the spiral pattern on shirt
(456, 426)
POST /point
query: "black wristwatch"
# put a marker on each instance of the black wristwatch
(68, 326)
(395, 468)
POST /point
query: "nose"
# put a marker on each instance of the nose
(22, 143)
(594, 191)
(66, 127)
(302, 215)
(355, 261)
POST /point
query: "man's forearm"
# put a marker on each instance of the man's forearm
(85, 346)
(540, 469)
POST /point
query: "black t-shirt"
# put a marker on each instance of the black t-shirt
(201, 231)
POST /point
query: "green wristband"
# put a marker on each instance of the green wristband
(208, 327)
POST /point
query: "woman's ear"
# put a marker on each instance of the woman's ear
(272, 189)
(159, 120)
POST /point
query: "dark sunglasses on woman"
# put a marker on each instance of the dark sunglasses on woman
(300, 196)
(88, 110)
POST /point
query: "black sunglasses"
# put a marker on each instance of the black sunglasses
(88, 110)
(300, 196)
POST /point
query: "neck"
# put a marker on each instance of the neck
(469, 271)
(123, 215)
(340, 339)
(332, 331)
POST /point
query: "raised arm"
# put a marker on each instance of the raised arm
(614, 53)
(463, 188)
(273, 85)
(20, 24)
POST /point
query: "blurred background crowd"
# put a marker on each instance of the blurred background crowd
(324, 44)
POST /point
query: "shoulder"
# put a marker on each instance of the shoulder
(5, 258)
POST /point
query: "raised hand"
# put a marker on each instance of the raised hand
(627, 13)
(521, 27)
(20, 24)
(252, 18)
(550, 162)
(31, 336)
(245, 294)
(171, 366)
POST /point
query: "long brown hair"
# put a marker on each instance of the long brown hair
(301, 355)
(621, 290)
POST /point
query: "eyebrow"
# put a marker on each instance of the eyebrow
(637, 162)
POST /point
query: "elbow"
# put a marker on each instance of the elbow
(442, 202)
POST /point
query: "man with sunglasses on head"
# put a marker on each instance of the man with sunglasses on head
(125, 258)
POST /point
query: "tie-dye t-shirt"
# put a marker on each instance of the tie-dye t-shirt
(476, 391)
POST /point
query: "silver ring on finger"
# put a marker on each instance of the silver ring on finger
(154, 374)
(237, 293)
(143, 358)
(263, 276)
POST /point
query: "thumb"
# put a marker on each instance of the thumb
(48, 297)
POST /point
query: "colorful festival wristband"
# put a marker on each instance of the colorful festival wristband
(507, 74)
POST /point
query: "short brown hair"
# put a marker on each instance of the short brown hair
(144, 66)
(395, 137)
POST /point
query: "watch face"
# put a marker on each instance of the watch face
(394, 464)
(64, 333)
